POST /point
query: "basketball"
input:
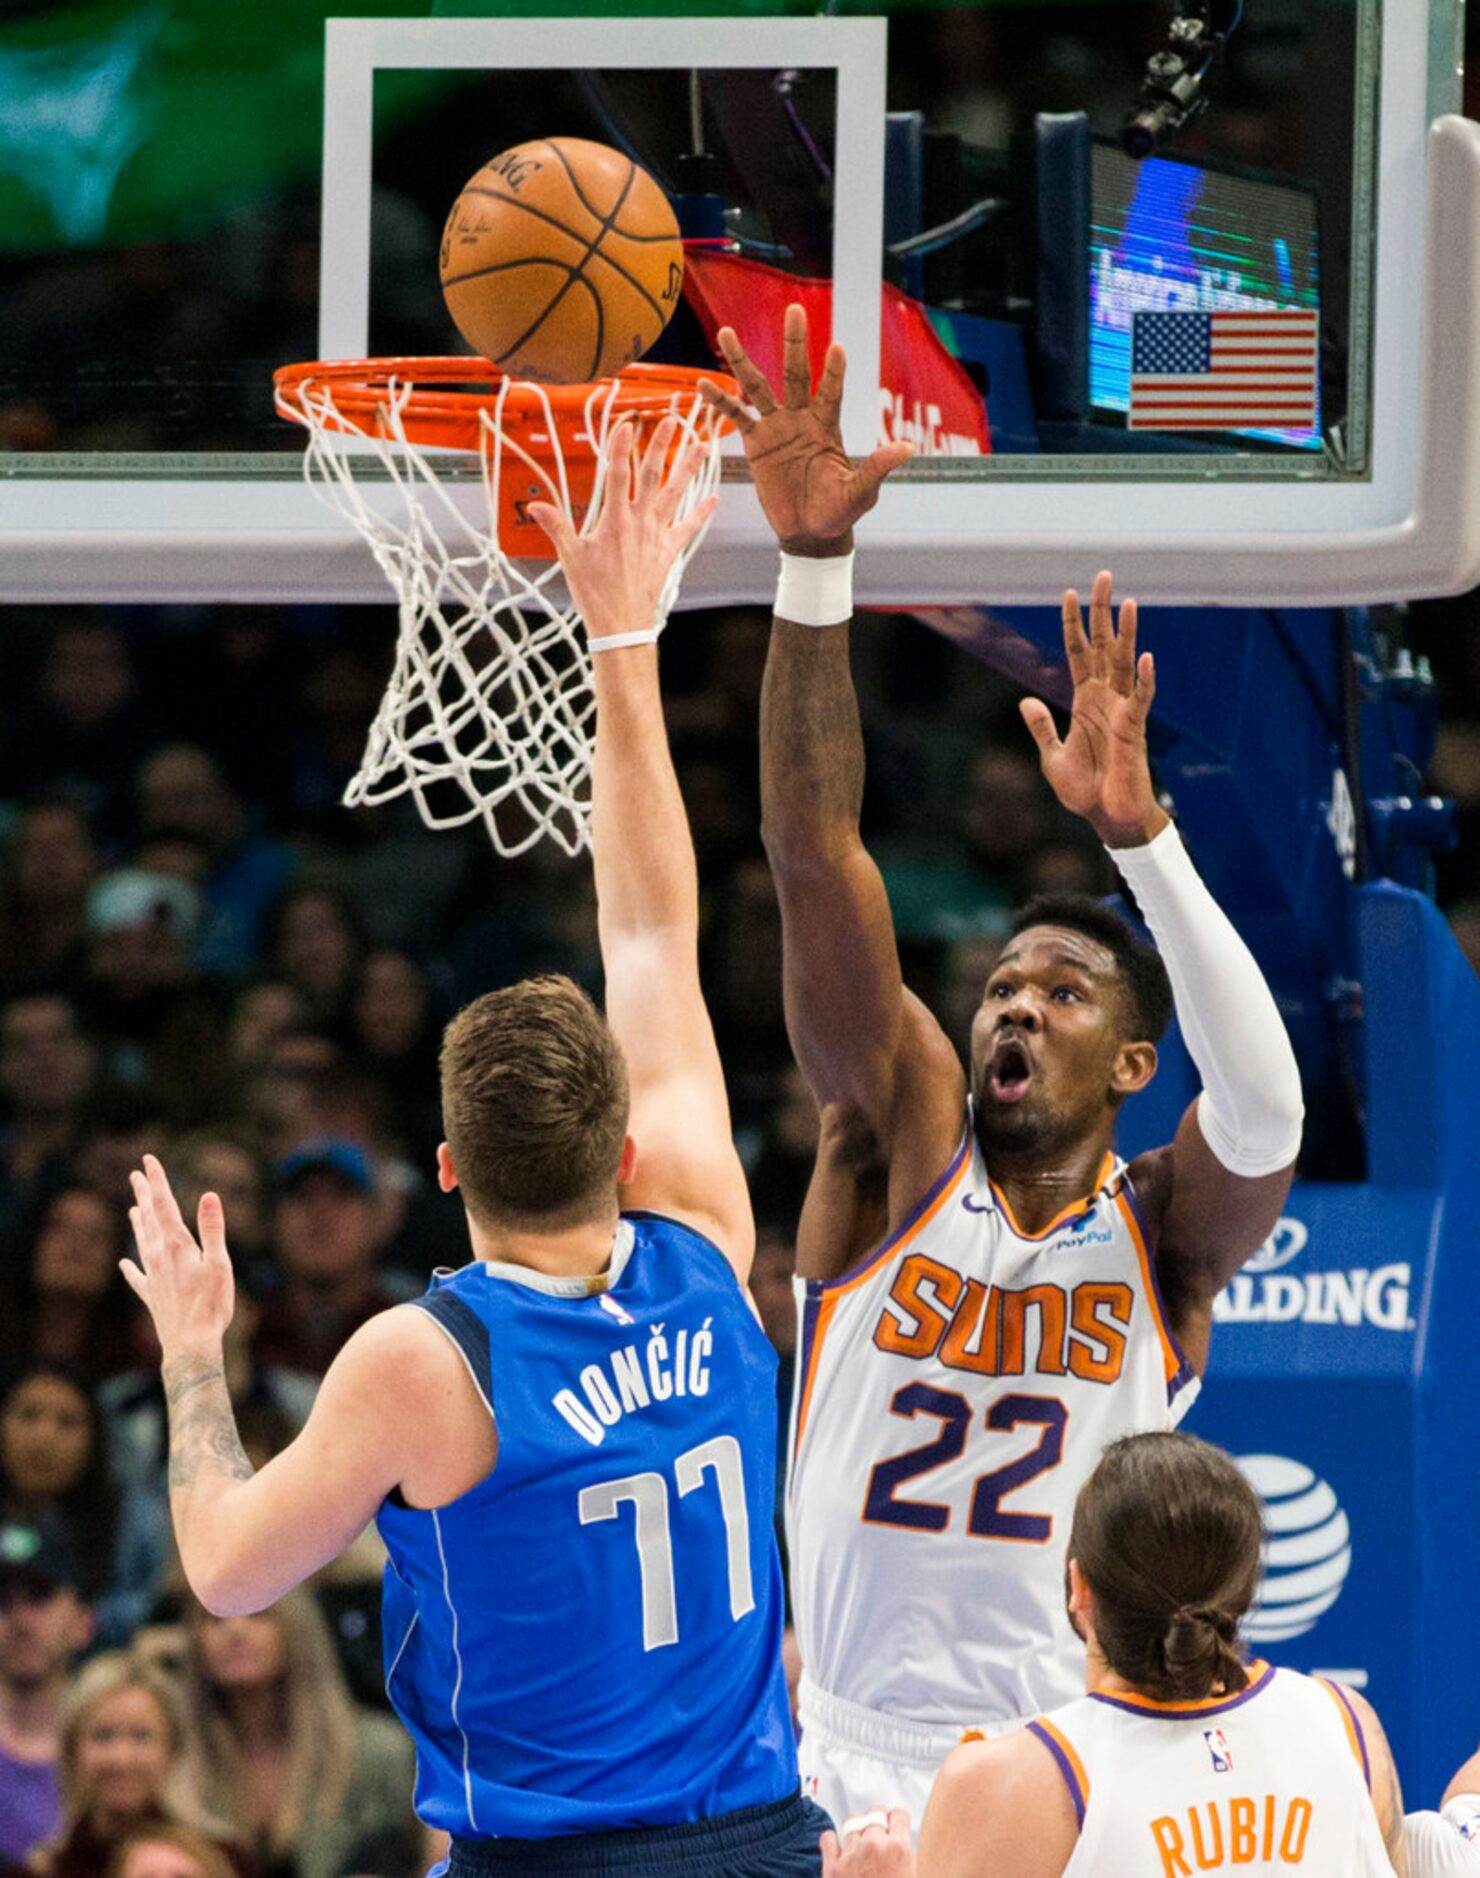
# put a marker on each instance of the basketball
(561, 261)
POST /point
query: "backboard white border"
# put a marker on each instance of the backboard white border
(1413, 528)
(855, 49)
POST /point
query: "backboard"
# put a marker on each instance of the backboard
(188, 201)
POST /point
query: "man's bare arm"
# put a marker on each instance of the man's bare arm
(647, 888)
(845, 1005)
(1214, 1195)
(1387, 1790)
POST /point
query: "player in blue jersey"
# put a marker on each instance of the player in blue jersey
(569, 1443)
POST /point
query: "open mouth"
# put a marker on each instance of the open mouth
(1010, 1072)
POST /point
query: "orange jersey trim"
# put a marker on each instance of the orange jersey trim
(1172, 1358)
(1069, 1763)
(823, 1294)
(1356, 1739)
(1067, 1212)
(1259, 1675)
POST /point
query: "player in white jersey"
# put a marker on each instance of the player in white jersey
(989, 1295)
(1181, 1758)
(1446, 1844)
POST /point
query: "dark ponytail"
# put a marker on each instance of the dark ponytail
(1167, 1535)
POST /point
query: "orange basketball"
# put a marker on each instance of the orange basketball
(561, 261)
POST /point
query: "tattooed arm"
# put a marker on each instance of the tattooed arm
(246, 1537)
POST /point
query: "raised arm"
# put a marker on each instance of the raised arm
(887, 1082)
(647, 888)
(1215, 1194)
(246, 1536)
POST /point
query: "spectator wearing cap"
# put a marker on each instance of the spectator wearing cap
(153, 1023)
(123, 1769)
(328, 1225)
(54, 1476)
(44, 1626)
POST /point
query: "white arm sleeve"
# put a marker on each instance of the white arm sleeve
(1250, 1108)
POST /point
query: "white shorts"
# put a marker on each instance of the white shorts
(854, 1759)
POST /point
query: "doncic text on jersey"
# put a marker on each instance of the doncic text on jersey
(635, 1378)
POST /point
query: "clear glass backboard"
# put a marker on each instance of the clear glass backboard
(1185, 285)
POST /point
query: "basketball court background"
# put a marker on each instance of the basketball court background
(189, 198)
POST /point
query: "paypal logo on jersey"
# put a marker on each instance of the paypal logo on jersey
(1307, 1552)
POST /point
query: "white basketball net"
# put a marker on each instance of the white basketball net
(489, 711)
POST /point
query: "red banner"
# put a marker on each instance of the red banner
(925, 396)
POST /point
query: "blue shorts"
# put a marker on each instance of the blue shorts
(776, 1841)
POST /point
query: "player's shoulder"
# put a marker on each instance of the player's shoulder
(992, 1793)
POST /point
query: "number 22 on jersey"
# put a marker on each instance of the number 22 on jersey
(987, 1518)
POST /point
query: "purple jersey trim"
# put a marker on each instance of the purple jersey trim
(1345, 1701)
(1184, 1711)
(1070, 1780)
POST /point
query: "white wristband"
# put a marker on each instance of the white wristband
(614, 642)
(815, 593)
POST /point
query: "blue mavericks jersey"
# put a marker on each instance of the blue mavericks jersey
(591, 1638)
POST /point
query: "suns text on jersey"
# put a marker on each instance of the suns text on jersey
(934, 1311)
(635, 1377)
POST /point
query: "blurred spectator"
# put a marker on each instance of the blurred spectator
(329, 1230)
(221, 1161)
(54, 1477)
(119, 1127)
(44, 918)
(315, 939)
(315, 1785)
(153, 1024)
(183, 793)
(397, 1034)
(82, 734)
(1007, 814)
(263, 1013)
(122, 1768)
(169, 1852)
(70, 1307)
(44, 1625)
(46, 1067)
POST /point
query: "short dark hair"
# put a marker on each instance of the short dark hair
(1167, 1534)
(1139, 964)
(534, 1102)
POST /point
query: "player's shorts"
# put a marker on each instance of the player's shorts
(854, 1759)
(775, 1841)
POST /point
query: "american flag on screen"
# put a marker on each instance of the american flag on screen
(1223, 371)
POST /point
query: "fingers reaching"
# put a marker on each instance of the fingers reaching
(1123, 651)
(1041, 727)
(211, 1224)
(828, 403)
(796, 361)
(1101, 626)
(752, 380)
(1076, 646)
(1145, 688)
(728, 405)
(876, 466)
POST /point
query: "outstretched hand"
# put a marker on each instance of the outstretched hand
(1100, 769)
(186, 1285)
(811, 492)
(616, 569)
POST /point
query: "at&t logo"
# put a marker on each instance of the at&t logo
(1307, 1550)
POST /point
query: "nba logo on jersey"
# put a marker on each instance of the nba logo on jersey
(1219, 1749)
(613, 1309)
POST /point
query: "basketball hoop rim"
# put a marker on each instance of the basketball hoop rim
(451, 416)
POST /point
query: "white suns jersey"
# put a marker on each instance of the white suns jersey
(1274, 1779)
(953, 1394)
